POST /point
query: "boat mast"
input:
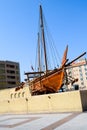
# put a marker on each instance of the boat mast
(43, 38)
(39, 64)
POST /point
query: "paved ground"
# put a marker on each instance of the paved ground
(56, 121)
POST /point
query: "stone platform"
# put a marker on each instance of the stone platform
(53, 121)
(22, 102)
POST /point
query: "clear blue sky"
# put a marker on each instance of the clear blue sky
(66, 19)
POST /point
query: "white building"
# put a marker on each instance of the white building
(79, 70)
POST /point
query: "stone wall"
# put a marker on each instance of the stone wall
(21, 101)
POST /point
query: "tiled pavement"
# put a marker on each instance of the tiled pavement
(54, 121)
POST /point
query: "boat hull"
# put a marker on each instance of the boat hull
(48, 83)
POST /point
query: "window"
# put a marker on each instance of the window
(82, 83)
(80, 70)
(85, 66)
(86, 73)
(17, 78)
(81, 78)
(17, 72)
(2, 65)
(11, 71)
(2, 77)
(17, 67)
(85, 69)
(11, 77)
(3, 83)
(10, 66)
(81, 75)
(23, 94)
(2, 71)
(19, 94)
(11, 95)
(11, 82)
(15, 95)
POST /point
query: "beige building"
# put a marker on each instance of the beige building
(9, 74)
(79, 70)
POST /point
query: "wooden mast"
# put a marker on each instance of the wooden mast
(39, 62)
(43, 38)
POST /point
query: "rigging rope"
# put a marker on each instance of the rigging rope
(52, 53)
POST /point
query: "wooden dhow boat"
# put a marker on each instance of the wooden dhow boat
(47, 81)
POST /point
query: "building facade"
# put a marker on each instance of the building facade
(79, 70)
(9, 74)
